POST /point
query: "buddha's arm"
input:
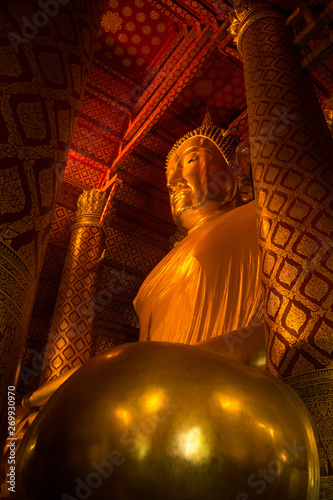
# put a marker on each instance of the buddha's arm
(38, 398)
(246, 345)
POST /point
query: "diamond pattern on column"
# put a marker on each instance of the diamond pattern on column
(290, 147)
(71, 330)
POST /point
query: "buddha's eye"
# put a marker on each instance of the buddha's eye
(191, 159)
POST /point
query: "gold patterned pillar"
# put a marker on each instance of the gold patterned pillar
(71, 337)
(292, 150)
(45, 53)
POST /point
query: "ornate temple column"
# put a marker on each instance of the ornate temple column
(71, 337)
(45, 53)
(291, 152)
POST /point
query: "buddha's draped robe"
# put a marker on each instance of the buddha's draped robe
(206, 286)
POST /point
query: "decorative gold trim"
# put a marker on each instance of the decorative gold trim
(91, 202)
(90, 207)
(90, 221)
(313, 376)
(245, 14)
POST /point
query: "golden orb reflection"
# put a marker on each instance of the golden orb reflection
(154, 400)
(123, 415)
(192, 444)
(168, 421)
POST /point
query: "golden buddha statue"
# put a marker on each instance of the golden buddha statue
(123, 426)
(174, 421)
(209, 284)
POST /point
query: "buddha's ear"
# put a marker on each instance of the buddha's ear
(243, 162)
(243, 158)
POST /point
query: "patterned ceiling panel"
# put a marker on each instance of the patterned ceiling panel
(83, 170)
(166, 64)
(54, 261)
(321, 96)
(130, 251)
(147, 172)
(151, 156)
(146, 224)
(156, 142)
(132, 34)
(103, 113)
(178, 77)
(46, 294)
(61, 226)
(192, 10)
(219, 84)
(120, 312)
(144, 202)
(109, 83)
(120, 282)
(37, 330)
(170, 121)
(240, 127)
(324, 75)
(69, 194)
(32, 359)
(95, 141)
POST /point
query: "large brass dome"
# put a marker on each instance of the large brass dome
(163, 421)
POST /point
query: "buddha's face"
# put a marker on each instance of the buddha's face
(199, 181)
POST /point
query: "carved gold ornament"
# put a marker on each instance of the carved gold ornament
(111, 22)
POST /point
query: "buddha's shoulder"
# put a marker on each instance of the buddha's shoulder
(232, 225)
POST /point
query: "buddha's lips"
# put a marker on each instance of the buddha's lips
(180, 194)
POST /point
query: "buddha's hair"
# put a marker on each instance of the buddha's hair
(224, 140)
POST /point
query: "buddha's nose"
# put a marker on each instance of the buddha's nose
(174, 177)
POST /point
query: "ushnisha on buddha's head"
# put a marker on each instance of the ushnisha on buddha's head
(201, 175)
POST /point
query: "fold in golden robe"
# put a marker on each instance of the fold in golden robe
(208, 285)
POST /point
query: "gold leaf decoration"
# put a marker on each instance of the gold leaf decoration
(122, 38)
(136, 39)
(161, 27)
(111, 22)
(127, 11)
(146, 30)
(140, 17)
(130, 26)
(154, 15)
(155, 40)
